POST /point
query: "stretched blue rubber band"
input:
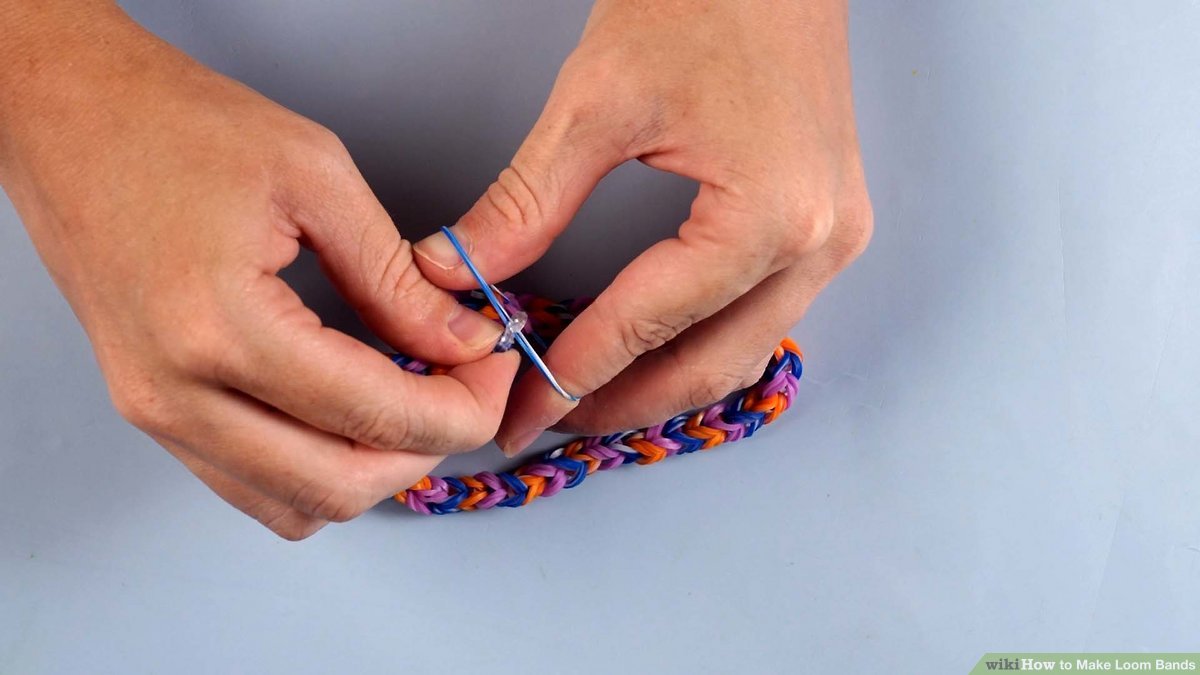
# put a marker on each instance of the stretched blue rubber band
(506, 318)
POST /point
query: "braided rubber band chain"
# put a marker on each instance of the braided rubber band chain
(548, 473)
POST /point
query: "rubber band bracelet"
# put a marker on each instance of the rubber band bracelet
(546, 474)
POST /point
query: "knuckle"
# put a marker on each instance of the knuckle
(596, 108)
(290, 531)
(399, 280)
(716, 385)
(289, 525)
(841, 231)
(146, 401)
(852, 234)
(321, 151)
(646, 333)
(586, 79)
(139, 403)
(513, 198)
(481, 433)
(337, 501)
(469, 430)
(375, 428)
(201, 347)
(593, 67)
(328, 144)
(806, 229)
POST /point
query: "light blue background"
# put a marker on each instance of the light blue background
(994, 448)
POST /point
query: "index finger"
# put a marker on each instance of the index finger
(287, 359)
(672, 285)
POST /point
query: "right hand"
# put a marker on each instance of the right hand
(164, 198)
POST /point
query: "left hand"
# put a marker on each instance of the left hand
(751, 100)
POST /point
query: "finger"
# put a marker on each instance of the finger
(373, 267)
(278, 517)
(718, 257)
(310, 471)
(533, 199)
(712, 359)
(285, 358)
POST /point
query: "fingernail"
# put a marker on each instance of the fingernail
(474, 329)
(437, 249)
(515, 446)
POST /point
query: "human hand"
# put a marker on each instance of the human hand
(750, 99)
(163, 199)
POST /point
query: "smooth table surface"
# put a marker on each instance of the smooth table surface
(995, 446)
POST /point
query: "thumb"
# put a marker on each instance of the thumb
(532, 200)
(373, 267)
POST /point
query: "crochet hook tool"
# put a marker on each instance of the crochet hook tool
(514, 323)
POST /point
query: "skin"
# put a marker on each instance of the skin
(164, 198)
(750, 99)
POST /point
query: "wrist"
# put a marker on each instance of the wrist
(52, 53)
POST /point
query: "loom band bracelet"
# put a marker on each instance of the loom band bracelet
(566, 467)
(737, 417)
